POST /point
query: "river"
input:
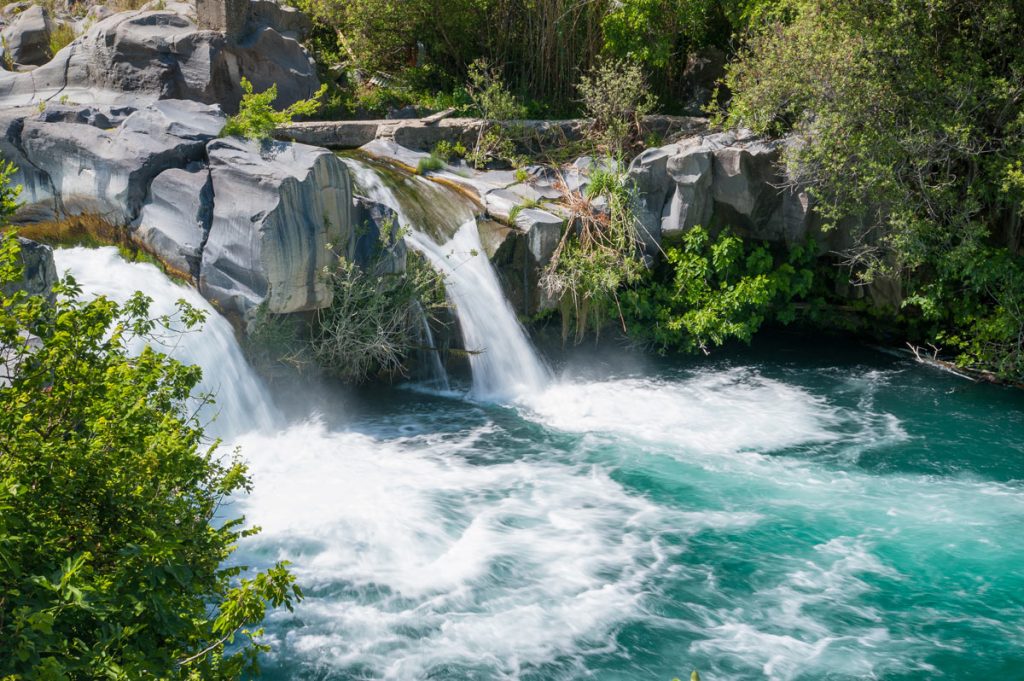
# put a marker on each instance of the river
(796, 511)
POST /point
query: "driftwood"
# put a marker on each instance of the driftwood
(974, 375)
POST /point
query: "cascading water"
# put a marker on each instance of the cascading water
(242, 404)
(442, 227)
(436, 376)
(785, 514)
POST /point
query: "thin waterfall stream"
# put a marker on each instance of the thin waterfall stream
(504, 363)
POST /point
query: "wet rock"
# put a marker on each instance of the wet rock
(176, 217)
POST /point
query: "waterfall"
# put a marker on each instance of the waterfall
(441, 226)
(431, 356)
(242, 403)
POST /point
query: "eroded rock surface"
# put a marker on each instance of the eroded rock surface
(277, 209)
(721, 180)
(133, 58)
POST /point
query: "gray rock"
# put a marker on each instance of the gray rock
(28, 37)
(107, 173)
(375, 241)
(744, 179)
(135, 58)
(277, 207)
(38, 196)
(730, 179)
(648, 174)
(287, 20)
(176, 218)
(98, 13)
(501, 202)
(11, 11)
(38, 274)
(543, 232)
(691, 204)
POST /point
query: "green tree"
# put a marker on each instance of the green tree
(113, 557)
(908, 126)
(616, 97)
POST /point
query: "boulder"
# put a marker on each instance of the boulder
(543, 232)
(107, 173)
(277, 207)
(135, 58)
(691, 204)
(176, 217)
(730, 179)
(648, 174)
(287, 20)
(745, 180)
(38, 273)
(27, 38)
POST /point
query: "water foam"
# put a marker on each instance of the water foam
(242, 403)
(414, 559)
(710, 412)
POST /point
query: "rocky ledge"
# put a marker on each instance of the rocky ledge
(251, 223)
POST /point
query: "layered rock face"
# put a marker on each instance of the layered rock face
(722, 180)
(252, 223)
(278, 211)
(133, 58)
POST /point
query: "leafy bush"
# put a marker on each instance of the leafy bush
(257, 118)
(374, 320)
(714, 290)
(908, 120)
(447, 151)
(112, 548)
(495, 105)
(617, 97)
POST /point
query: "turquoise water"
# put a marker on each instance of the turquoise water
(790, 512)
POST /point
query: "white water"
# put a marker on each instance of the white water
(505, 366)
(241, 403)
(459, 541)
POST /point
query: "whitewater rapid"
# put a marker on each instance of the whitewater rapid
(614, 527)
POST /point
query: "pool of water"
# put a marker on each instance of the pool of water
(795, 511)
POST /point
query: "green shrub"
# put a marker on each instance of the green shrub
(495, 105)
(374, 320)
(60, 37)
(908, 119)
(114, 552)
(711, 290)
(447, 151)
(616, 97)
(257, 118)
(598, 256)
